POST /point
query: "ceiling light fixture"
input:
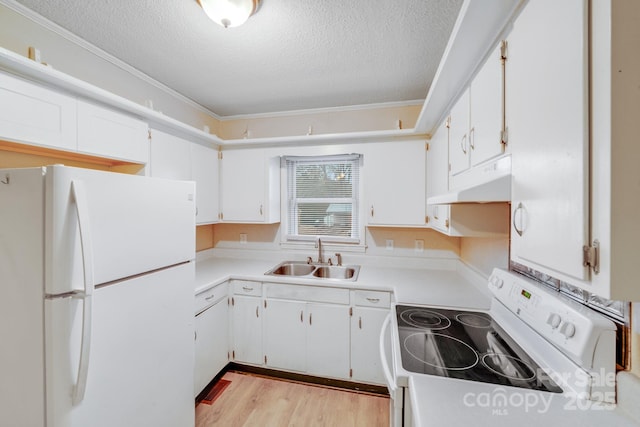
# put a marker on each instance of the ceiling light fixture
(229, 13)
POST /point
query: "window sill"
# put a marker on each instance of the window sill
(327, 247)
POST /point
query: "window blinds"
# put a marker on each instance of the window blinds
(322, 195)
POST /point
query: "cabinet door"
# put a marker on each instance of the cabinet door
(204, 169)
(250, 186)
(547, 112)
(438, 177)
(285, 335)
(459, 135)
(212, 344)
(366, 324)
(328, 340)
(485, 98)
(35, 115)
(170, 156)
(247, 329)
(109, 133)
(395, 184)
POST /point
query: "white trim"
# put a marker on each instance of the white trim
(73, 38)
(324, 110)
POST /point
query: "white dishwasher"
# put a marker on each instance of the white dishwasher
(211, 335)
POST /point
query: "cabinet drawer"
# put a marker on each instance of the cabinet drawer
(245, 287)
(211, 296)
(371, 299)
(307, 293)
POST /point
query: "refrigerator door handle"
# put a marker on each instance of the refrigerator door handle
(80, 198)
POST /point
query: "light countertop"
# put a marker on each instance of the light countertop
(410, 285)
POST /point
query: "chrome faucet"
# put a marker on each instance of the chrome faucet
(319, 245)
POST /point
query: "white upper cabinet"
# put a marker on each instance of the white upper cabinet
(459, 219)
(176, 158)
(31, 114)
(459, 135)
(615, 154)
(395, 183)
(170, 156)
(249, 186)
(204, 171)
(477, 118)
(486, 111)
(438, 177)
(109, 133)
(547, 111)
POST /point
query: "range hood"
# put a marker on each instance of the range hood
(486, 183)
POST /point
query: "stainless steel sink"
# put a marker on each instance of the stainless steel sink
(293, 269)
(316, 271)
(335, 272)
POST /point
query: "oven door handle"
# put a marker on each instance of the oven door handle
(391, 384)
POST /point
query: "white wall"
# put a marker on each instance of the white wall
(484, 254)
(73, 56)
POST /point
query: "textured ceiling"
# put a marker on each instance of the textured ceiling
(291, 55)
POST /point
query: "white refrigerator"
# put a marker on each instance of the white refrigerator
(96, 299)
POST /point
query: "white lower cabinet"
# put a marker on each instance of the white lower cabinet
(211, 343)
(246, 308)
(285, 335)
(328, 341)
(370, 310)
(306, 329)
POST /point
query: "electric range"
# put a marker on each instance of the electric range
(531, 340)
(467, 345)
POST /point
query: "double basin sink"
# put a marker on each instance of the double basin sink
(318, 271)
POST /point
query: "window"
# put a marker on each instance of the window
(322, 198)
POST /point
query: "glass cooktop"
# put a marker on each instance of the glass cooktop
(467, 345)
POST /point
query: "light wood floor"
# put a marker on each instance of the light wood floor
(252, 400)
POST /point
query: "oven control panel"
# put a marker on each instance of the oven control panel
(570, 326)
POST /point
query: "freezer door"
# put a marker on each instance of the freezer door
(141, 356)
(132, 224)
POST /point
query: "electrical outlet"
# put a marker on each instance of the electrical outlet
(389, 244)
(419, 245)
(243, 238)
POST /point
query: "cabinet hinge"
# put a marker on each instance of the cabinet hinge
(504, 137)
(427, 146)
(503, 51)
(447, 123)
(591, 256)
(149, 135)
